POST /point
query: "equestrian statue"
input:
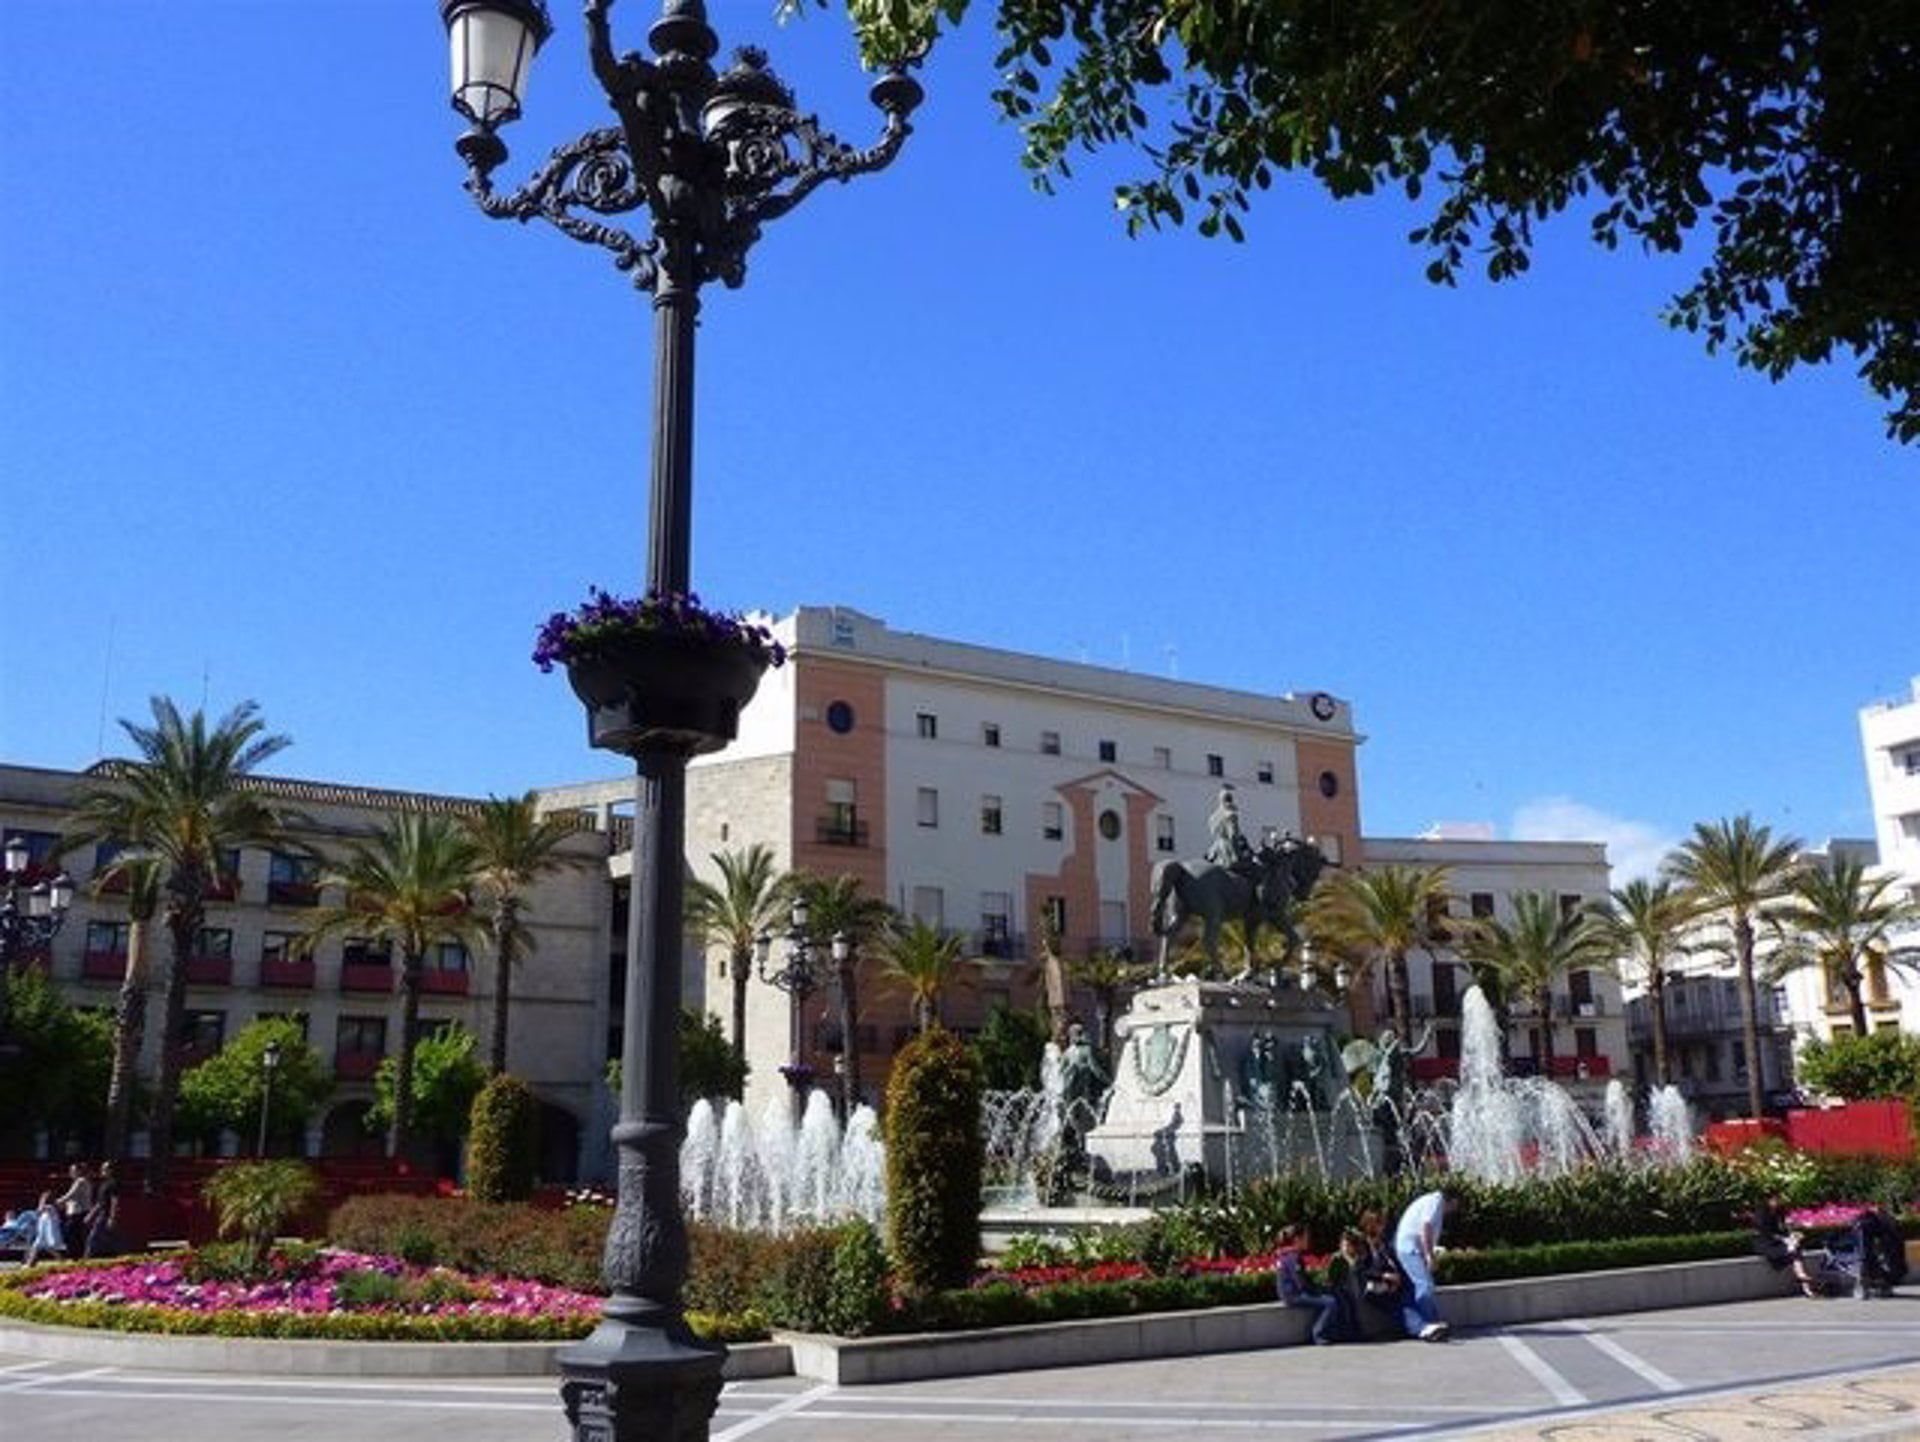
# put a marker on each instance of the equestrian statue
(1235, 881)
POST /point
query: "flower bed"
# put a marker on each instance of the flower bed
(345, 1295)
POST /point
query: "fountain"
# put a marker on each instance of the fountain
(772, 1174)
(1670, 1122)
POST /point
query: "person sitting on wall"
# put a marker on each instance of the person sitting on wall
(1382, 1286)
(48, 1238)
(1296, 1289)
(1783, 1247)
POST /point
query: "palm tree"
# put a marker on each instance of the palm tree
(1643, 926)
(1529, 953)
(752, 898)
(1385, 915)
(514, 846)
(836, 906)
(138, 875)
(406, 885)
(1836, 916)
(923, 958)
(1733, 870)
(186, 803)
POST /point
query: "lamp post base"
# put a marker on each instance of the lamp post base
(632, 1382)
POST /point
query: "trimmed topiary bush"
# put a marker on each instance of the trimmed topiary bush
(501, 1141)
(935, 1157)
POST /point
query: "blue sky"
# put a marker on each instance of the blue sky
(283, 417)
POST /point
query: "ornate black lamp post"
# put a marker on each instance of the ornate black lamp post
(26, 928)
(799, 976)
(704, 160)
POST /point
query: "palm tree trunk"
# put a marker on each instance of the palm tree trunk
(183, 924)
(1856, 1004)
(129, 1030)
(849, 1042)
(1657, 1004)
(401, 1133)
(503, 926)
(741, 958)
(1749, 1012)
(1543, 1003)
(1400, 997)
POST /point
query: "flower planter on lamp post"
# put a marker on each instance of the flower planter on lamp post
(704, 160)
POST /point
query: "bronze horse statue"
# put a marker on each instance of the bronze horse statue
(1261, 891)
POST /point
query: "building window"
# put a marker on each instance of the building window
(1109, 751)
(1910, 762)
(203, 1032)
(362, 951)
(1053, 820)
(1049, 743)
(926, 803)
(930, 905)
(449, 956)
(1481, 905)
(1163, 757)
(278, 946)
(1216, 765)
(1109, 824)
(1163, 833)
(107, 938)
(927, 724)
(989, 815)
(1586, 1043)
(362, 1036)
(1329, 785)
(990, 733)
(839, 717)
(1263, 772)
(1054, 911)
(293, 880)
(996, 931)
(213, 943)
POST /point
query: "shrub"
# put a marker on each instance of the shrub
(254, 1200)
(798, 1290)
(934, 1160)
(1860, 1068)
(857, 1291)
(501, 1141)
(508, 1239)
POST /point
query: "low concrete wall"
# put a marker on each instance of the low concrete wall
(288, 1357)
(863, 1360)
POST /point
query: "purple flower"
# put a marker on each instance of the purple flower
(571, 636)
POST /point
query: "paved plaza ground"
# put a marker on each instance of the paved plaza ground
(1784, 1368)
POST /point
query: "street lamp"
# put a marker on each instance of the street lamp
(26, 928)
(797, 977)
(269, 1064)
(703, 161)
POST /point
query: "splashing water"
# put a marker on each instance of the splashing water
(769, 1174)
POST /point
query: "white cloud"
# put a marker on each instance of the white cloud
(1634, 848)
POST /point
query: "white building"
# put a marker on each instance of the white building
(1890, 741)
(1588, 1016)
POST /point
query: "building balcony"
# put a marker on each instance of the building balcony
(1000, 945)
(356, 1065)
(445, 983)
(293, 893)
(210, 971)
(289, 975)
(366, 976)
(103, 966)
(831, 831)
(223, 888)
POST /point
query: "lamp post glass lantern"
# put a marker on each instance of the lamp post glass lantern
(269, 1064)
(702, 161)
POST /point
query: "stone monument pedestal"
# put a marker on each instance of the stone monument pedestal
(1203, 1073)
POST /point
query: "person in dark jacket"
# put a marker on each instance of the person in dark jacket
(1882, 1254)
(1297, 1289)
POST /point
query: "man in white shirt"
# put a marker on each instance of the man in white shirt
(1415, 1241)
